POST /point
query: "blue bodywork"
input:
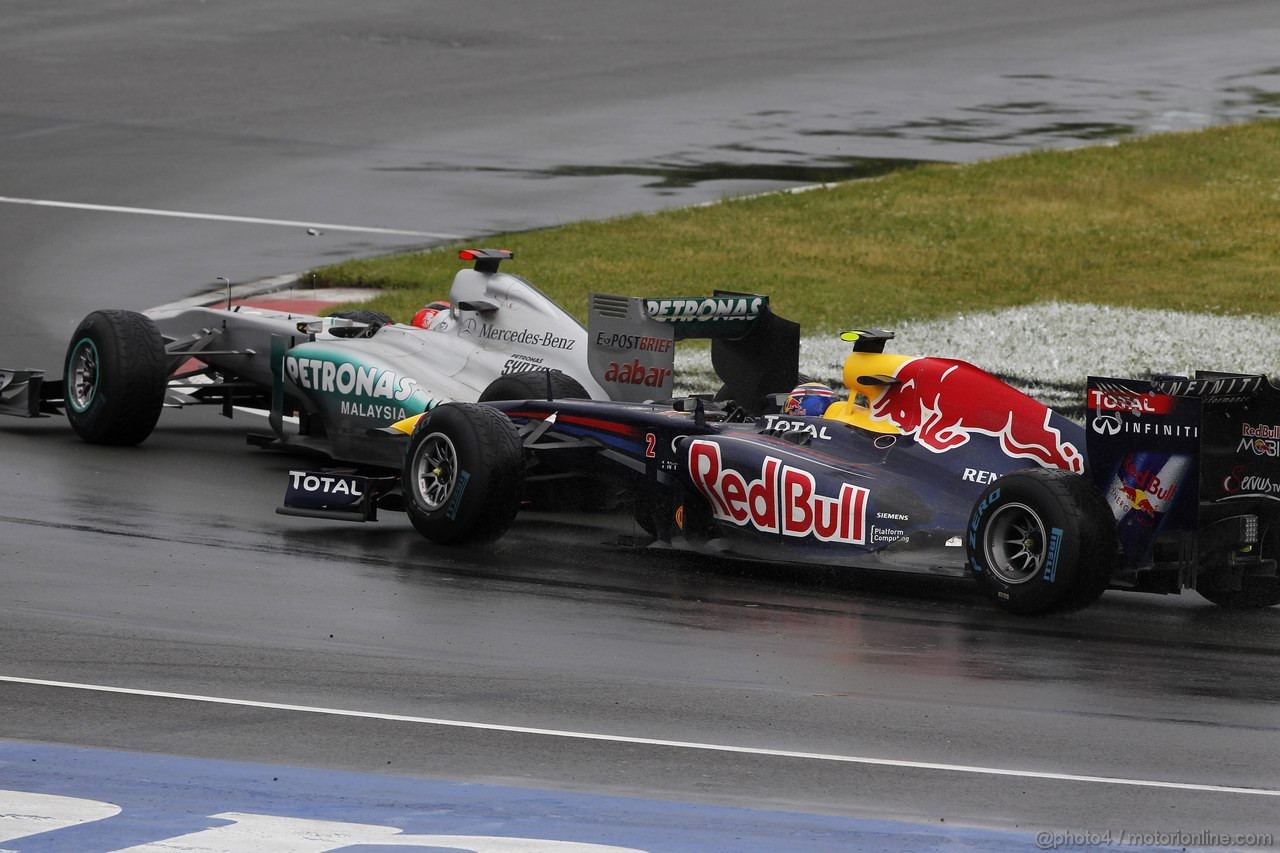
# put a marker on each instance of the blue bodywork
(781, 487)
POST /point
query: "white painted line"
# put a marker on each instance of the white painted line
(217, 298)
(644, 741)
(217, 217)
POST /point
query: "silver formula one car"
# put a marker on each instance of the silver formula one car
(327, 384)
(325, 381)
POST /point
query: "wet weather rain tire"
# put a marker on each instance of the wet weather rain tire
(371, 322)
(463, 474)
(373, 318)
(1254, 594)
(114, 377)
(574, 493)
(1041, 540)
(532, 385)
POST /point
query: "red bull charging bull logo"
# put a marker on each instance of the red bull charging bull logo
(1138, 499)
(942, 403)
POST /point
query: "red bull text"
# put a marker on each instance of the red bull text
(781, 500)
(1141, 495)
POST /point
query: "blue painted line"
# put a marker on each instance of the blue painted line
(163, 797)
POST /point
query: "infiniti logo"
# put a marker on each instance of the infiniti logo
(1106, 424)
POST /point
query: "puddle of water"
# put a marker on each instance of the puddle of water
(1255, 97)
(669, 176)
(989, 131)
(1082, 110)
(847, 132)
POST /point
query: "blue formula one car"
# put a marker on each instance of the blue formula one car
(931, 466)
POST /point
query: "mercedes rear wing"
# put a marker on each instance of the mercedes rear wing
(631, 345)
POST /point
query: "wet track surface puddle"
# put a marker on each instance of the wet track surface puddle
(860, 136)
(664, 177)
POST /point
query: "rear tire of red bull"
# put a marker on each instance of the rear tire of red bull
(1041, 541)
(463, 474)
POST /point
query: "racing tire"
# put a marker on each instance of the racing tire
(1254, 594)
(532, 385)
(463, 474)
(362, 316)
(1040, 541)
(374, 319)
(573, 494)
(114, 378)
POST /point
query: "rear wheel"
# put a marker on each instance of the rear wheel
(534, 385)
(1041, 540)
(463, 475)
(115, 377)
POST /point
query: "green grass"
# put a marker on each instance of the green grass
(1187, 221)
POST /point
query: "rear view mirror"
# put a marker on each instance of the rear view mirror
(692, 404)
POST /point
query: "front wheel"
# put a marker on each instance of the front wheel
(463, 474)
(114, 381)
(1041, 540)
(372, 320)
(362, 315)
(533, 385)
(554, 495)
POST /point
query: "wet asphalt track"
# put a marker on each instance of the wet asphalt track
(163, 568)
(129, 587)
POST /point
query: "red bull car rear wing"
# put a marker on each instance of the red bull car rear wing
(1190, 467)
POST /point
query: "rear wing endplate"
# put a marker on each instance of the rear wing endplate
(1158, 449)
(632, 340)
